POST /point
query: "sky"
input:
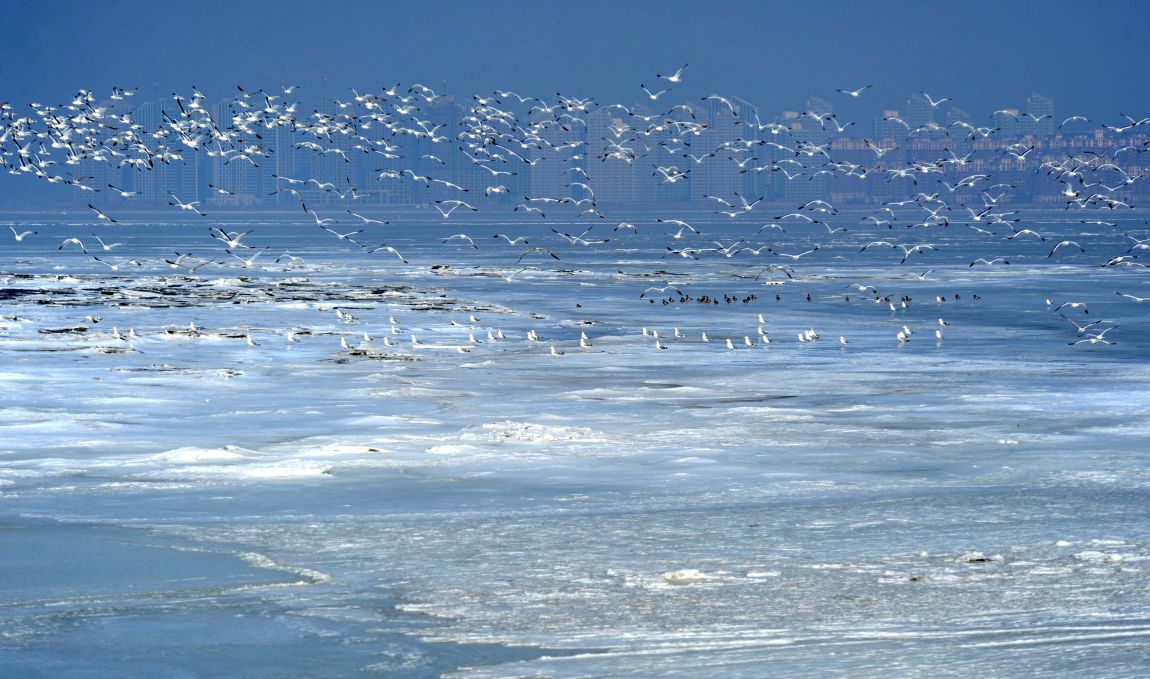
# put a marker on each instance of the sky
(1089, 57)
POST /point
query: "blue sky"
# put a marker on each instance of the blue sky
(1089, 57)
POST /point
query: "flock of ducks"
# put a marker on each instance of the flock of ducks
(503, 134)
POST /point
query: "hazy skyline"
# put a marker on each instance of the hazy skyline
(1088, 59)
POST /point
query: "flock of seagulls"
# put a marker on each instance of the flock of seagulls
(504, 134)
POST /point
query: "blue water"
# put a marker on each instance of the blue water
(187, 504)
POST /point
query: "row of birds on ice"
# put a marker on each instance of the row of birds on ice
(505, 132)
(399, 341)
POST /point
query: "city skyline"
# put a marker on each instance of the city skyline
(733, 150)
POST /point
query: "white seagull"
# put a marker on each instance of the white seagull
(21, 236)
(676, 77)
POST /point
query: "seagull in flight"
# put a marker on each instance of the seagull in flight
(388, 248)
(186, 206)
(455, 204)
(1081, 329)
(21, 236)
(536, 250)
(101, 215)
(665, 288)
(366, 220)
(528, 208)
(1073, 305)
(654, 96)
(73, 241)
(343, 236)
(854, 93)
(115, 267)
(463, 236)
(676, 77)
(107, 247)
(321, 222)
(683, 225)
(796, 257)
(910, 250)
(232, 240)
(1065, 243)
(933, 103)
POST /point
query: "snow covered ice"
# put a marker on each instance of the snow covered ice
(183, 502)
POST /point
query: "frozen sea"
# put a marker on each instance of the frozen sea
(185, 503)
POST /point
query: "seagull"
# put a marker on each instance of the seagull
(107, 247)
(932, 102)
(321, 222)
(528, 208)
(1132, 297)
(73, 241)
(511, 241)
(854, 93)
(1080, 329)
(462, 236)
(250, 261)
(365, 220)
(115, 267)
(988, 262)
(388, 248)
(1091, 340)
(1026, 232)
(1073, 305)
(908, 251)
(654, 96)
(796, 257)
(455, 204)
(534, 251)
(232, 240)
(21, 236)
(343, 236)
(676, 77)
(101, 215)
(662, 289)
(185, 206)
(1065, 243)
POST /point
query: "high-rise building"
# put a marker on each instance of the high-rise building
(919, 112)
(1039, 120)
(612, 149)
(563, 145)
(725, 136)
(1007, 124)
